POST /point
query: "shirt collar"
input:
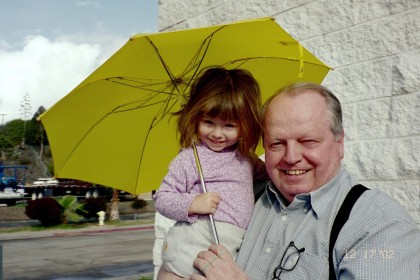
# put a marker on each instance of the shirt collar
(273, 194)
(318, 199)
(321, 198)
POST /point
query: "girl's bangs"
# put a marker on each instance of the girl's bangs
(223, 110)
(223, 106)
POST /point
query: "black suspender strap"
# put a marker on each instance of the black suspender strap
(341, 218)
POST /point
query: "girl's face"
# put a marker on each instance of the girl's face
(218, 134)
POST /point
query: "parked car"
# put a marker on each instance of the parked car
(45, 182)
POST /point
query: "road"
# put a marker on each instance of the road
(95, 253)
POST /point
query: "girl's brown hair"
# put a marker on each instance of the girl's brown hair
(232, 95)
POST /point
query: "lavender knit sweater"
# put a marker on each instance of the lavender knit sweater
(225, 172)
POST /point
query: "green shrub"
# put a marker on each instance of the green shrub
(92, 206)
(46, 210)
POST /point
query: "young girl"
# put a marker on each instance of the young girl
(221, 117)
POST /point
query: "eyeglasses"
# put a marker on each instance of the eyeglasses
(289, 260)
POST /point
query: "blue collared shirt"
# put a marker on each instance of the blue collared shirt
(379, 241)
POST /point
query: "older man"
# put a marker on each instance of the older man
(288, 237)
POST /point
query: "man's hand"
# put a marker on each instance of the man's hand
(205, 203)
(217, 264)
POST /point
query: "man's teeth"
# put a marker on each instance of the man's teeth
(295, 172)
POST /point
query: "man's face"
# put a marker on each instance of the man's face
(301, 152)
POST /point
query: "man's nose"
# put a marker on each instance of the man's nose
(293, 153)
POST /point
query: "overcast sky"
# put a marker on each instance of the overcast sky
(47, 47)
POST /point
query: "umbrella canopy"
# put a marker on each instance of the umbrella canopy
(116, 128)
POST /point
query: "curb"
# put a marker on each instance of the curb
(116, 229)
(62, 233)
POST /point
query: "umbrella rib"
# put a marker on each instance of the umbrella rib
(143, 149)
(162, 112)
(246, 59)
(207, 44)
(170, 96)
(165, 66)
(115, 111)
(134, 86)
(165, 112)
(154, 122)
(193, 63)
(175, 81)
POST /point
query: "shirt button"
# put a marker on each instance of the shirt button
(284, 218)
(268, 250)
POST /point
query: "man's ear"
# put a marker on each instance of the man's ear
(341, 142)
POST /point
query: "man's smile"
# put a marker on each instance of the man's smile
(294, 172)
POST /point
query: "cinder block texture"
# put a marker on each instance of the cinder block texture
(374, 48)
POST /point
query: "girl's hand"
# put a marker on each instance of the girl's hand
(205, 203)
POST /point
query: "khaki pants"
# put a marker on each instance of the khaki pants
(184, 241)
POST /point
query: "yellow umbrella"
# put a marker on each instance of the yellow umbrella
(115, 128)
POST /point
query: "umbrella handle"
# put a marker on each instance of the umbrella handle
(203, 185)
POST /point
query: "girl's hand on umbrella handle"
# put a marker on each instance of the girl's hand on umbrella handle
(204, 203)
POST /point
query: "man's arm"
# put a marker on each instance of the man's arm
(387, 245)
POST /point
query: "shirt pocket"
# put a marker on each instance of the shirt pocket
(311, 266)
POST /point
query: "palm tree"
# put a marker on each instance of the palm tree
(114, 213)
(70, 207)
(40, 131)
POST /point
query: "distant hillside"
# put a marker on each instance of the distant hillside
(28, 156)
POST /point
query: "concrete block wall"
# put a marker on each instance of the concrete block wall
(374, 48)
